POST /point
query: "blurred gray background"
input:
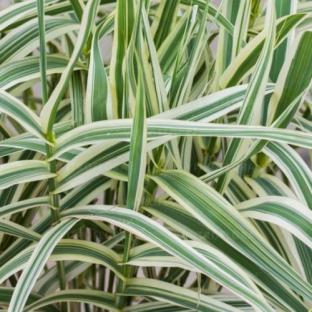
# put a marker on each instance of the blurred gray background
(4, 4)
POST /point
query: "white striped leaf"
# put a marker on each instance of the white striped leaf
(6, 294)
(49, 281)
(177, 295)
(49, 111)
(251, 109)
(120, 130)
(247, 58)
(21, 113)
(123, 27)
(208, 206)
(18, 230)
(20, 71)
(100, 158)
(23, 171)
(155, 306)
(213, 12)
(286, 212)
(95, 298)
(153, 232)
(25, 38)
(24, 205)
(36, 263)
(98, 88)
(69, 250)
(295, 168)
(282, 8)
(295, 74)
(18, 11)
(181, 221)
(137, 157)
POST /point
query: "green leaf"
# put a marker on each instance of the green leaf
(36, 263)
(214, 13)
(119, 130)
(282, 8)
(292, 86)
(123, 27)
(88, 296)
(49, 111)
(23, 171)
(154, 232)
(248, 56)
(49, 281)
(98, 88)
(25, 38)
(180, 220)
(251, 109)
(18, 11)
(98, 159)
(294, 167)
(137, 157)
(155, 307)
(288, 213)
(208, 206)
(21, 113)
(6, 293)
(15, 229)
(69, 250)
(26, 69)
(176, 295)
(24, 205)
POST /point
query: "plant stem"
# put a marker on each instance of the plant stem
(126, 270)
(55, 202)
(54, 198)
(43, 58)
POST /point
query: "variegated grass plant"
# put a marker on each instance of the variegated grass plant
(171, 172)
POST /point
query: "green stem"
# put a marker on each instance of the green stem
(54, 198)
(43, 57)
(77, 8)
(126, 270)
(122, 300)
(55, 202)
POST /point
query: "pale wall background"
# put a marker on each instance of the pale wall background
(4, 4)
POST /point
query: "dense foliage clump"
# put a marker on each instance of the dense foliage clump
(155, 155)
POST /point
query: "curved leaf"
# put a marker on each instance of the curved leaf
(24, 205)
(36, 263)
(288, 213)
(209, 207)
(21, 113)
(153, 232)
(95, 297)
(23, 171)
(176, 295)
